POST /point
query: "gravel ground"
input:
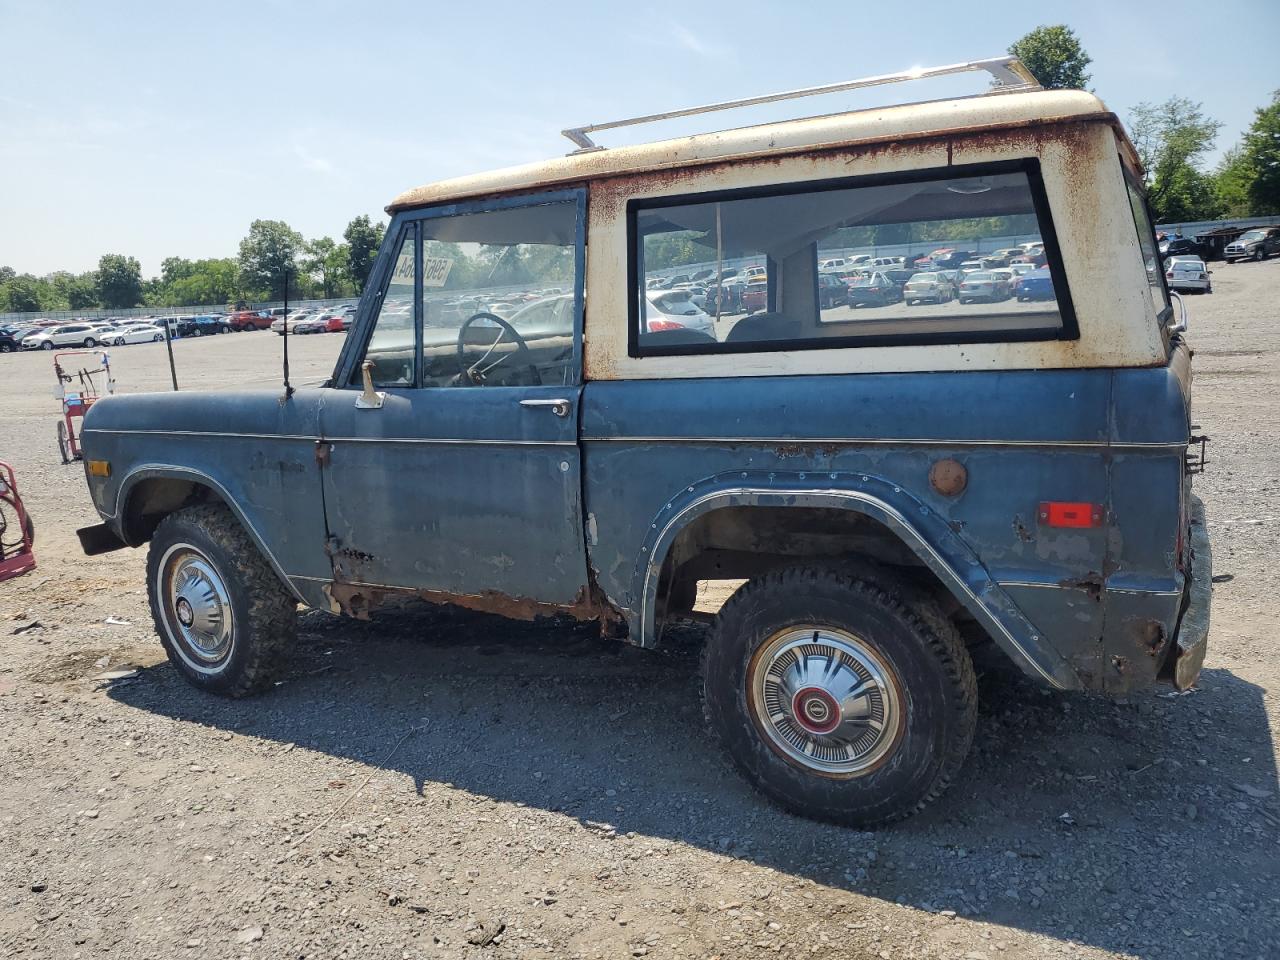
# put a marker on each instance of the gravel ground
(441, 784)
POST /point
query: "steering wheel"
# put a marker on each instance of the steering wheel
(476, 373)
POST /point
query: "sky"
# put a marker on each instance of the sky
(165, 129)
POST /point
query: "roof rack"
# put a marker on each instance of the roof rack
(1009, 75)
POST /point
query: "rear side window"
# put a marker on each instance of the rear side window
(1147, 242)
(878, 232)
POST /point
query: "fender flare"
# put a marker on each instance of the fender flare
(920, 528)
(150, 471)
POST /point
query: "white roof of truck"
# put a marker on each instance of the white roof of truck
(967, 116)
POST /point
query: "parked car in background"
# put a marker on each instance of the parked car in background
(899, 275)
(250, 320)
(971, 266)
(934, 287)
(675, 307)
(832, 291)
(315, 323)
(985, 285)
(1183, 247)
(755, 297)
(728, 294)
(67, 335)
(1036, 285)
(8, 343)
(1187, 273)
(135, 333)
(1253, 245)
(874, 290)
(881, 263)
(203, 326)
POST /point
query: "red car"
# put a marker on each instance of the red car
(755, 297)
(250, 320)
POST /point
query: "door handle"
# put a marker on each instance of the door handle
(559, 407)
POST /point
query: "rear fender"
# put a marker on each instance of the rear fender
(922, 530)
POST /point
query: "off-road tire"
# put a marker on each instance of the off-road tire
(938, 690)
(264, 613)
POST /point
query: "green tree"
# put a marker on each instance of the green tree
(1260, 158)
(75, 291)
(328, 265)
(270, 249)
(1232, 179)
(23, 294)
(363, 240)
(119, 281)
(202, 283)
(7, 274)
(1054, 57)
(1171, 139)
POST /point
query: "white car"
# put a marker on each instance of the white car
(295, 318)
(135, 333)
(65, 335)
(671, 309)
(1187, 273)
(933, 287)
(971, 266)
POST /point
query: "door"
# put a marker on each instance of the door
(458, 473)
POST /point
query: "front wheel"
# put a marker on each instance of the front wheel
(64, 444)
(222, 614)
(841, 696)
(90, 343)
(157, 338)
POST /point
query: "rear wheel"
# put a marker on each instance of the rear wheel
(837, 697)
(223, 616)
(64, 446)
(90, 343)
(157, 338)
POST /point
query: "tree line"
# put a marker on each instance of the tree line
(272, 250)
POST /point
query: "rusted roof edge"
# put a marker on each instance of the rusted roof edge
(576, 178)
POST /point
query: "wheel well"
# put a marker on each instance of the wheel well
(153, 499)
(742, 542)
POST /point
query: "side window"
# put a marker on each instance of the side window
(499, 300)
(499, 297)
(392, 343)
(1147, 242)
(943, 256)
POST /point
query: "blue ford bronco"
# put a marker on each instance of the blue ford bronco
(548, 404)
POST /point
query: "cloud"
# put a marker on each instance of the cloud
(696, 45)
(311, 161)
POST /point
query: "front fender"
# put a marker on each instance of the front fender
(926, 533)
(168, 471)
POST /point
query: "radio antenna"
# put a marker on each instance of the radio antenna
(288, 390)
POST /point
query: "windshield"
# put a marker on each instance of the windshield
(979, 277)
(924, 278)
(1251, 236)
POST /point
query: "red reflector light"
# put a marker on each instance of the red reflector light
(1059, 514)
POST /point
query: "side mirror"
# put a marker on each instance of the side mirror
(1181, 325)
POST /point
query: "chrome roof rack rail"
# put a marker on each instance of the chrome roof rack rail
(1008, 73)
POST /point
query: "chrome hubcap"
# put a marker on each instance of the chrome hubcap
(197, 607)
(825, 700)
